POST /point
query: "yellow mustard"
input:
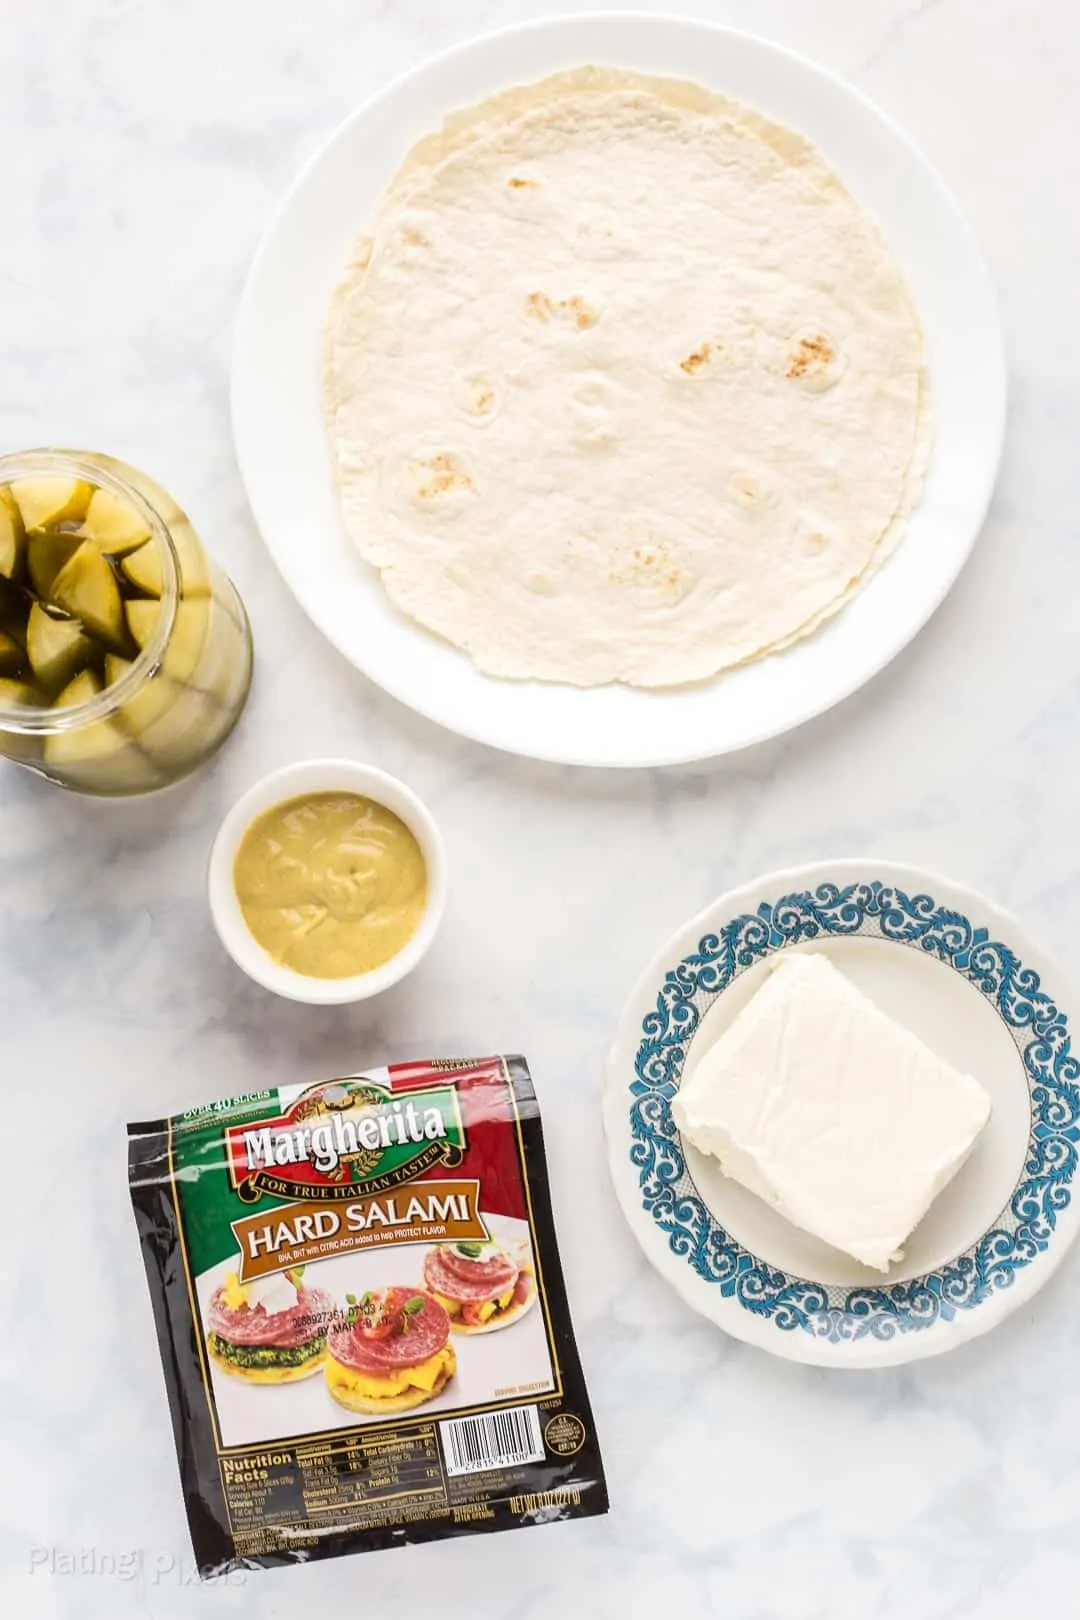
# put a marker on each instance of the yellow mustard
(330, 884)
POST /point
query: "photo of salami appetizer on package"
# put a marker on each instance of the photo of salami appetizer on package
(379, 1249)
(482, 1286)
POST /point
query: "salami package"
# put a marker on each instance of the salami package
(361, 1314)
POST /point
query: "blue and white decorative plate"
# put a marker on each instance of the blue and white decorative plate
(961, 974)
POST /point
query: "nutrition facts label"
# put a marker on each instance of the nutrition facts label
(369, 1477)
(290, 1497)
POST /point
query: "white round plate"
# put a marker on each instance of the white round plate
(958, 972)
(278, 422)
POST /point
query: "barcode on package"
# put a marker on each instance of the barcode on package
(493, 1440)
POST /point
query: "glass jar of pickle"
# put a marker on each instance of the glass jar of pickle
(125, 653)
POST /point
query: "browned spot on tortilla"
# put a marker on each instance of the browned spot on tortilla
(414, 236)
(810, 354)
(518, 184)
(476, 394)
(447, 472)
(583, 314)
(694, 362)
(540, 307)
(650, 567)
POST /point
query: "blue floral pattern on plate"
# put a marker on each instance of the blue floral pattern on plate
(1025, 1226)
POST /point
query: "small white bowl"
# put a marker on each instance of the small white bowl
(322, 776)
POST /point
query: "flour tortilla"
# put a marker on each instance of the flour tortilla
(623, 385)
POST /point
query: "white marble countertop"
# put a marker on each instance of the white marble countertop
(145, 144)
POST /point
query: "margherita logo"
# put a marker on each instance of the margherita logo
(344, 1136)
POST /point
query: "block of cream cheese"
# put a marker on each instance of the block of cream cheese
(840, 1118)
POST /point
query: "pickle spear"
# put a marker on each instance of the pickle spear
(99, 757)
(164, 714)
(46, 554)
(98, 741)
(19, 745)
(185, 645)
(13, 694)
(154, 698)
(11, 654)
(143, 570)
(86, 588)
(12, 534)
(57, 648)
(115, 668)
(85, 686)
(141, 619)
(52, 499)
(113, 524)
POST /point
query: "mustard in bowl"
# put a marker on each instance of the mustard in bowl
(327, 881)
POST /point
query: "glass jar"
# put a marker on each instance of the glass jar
(125, 652)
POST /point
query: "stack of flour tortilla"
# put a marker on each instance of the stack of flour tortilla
(622, 385)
